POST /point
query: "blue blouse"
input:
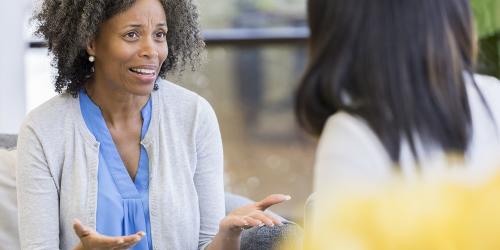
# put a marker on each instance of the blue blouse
(122, 204)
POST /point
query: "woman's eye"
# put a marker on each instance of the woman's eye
(131, 35)
(161, 35)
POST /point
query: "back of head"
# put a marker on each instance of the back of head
(399, 64)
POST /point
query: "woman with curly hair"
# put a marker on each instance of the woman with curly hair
(136, 158)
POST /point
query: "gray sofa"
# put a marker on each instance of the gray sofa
(258, 238)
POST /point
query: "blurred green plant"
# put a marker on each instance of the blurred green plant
(487, 14)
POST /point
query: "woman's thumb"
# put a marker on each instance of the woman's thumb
(80, 229)
(272, 200)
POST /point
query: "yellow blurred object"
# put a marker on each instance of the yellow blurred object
(446, 214)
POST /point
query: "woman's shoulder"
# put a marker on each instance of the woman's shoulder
(349, 150)
(487, 82)
(52, 111)
(184, 104)
(489, 88)
(343, 123)
(349, 134)
(48, 122)
(174, 93)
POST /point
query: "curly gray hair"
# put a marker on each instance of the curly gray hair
(69, 25)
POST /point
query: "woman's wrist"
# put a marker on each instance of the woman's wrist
(79, 246)
(230, 233)
(225, 239)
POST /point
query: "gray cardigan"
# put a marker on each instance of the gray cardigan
(57, 172)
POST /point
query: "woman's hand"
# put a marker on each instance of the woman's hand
(251, 215)
(92, 240)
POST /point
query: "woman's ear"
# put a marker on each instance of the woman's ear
(91, 48)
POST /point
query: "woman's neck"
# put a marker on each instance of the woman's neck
(117, 106)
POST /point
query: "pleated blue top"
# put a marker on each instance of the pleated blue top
(122, 204)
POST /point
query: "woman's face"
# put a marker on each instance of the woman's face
(130, 48)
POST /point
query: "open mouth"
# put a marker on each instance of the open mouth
(144, 72)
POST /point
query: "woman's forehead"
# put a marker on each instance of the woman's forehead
(142, 12)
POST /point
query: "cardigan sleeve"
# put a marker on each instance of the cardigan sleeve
(208, 177)
(37, 194)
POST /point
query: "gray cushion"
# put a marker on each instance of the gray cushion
(268, 238)
(9, 238)
(8, 141)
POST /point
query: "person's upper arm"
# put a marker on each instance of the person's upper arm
(349, 152)
(208, 177)
(38, 199)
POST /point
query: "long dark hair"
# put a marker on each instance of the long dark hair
(398, 64)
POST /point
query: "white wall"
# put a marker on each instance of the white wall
(12, 48)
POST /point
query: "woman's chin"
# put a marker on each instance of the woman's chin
(141, 89)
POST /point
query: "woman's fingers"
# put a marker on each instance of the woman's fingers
(80, 230)
(271, 200)
(275, 220)
(93, 240)
(254, 219)
(252, 222)
(234, 223)
(134, 237)
(101, 241)
(266, 218)
(262, 217)
(118, 241)
(253, 215)
(130, 241)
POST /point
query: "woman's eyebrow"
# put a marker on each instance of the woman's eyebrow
(135, 25)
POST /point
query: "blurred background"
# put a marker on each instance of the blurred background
(256, 52)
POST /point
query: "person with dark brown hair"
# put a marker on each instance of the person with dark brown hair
(390, 89)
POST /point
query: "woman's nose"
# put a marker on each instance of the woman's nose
(148, 48)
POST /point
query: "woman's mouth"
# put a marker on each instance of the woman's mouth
(144, 75)
(142, 71)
